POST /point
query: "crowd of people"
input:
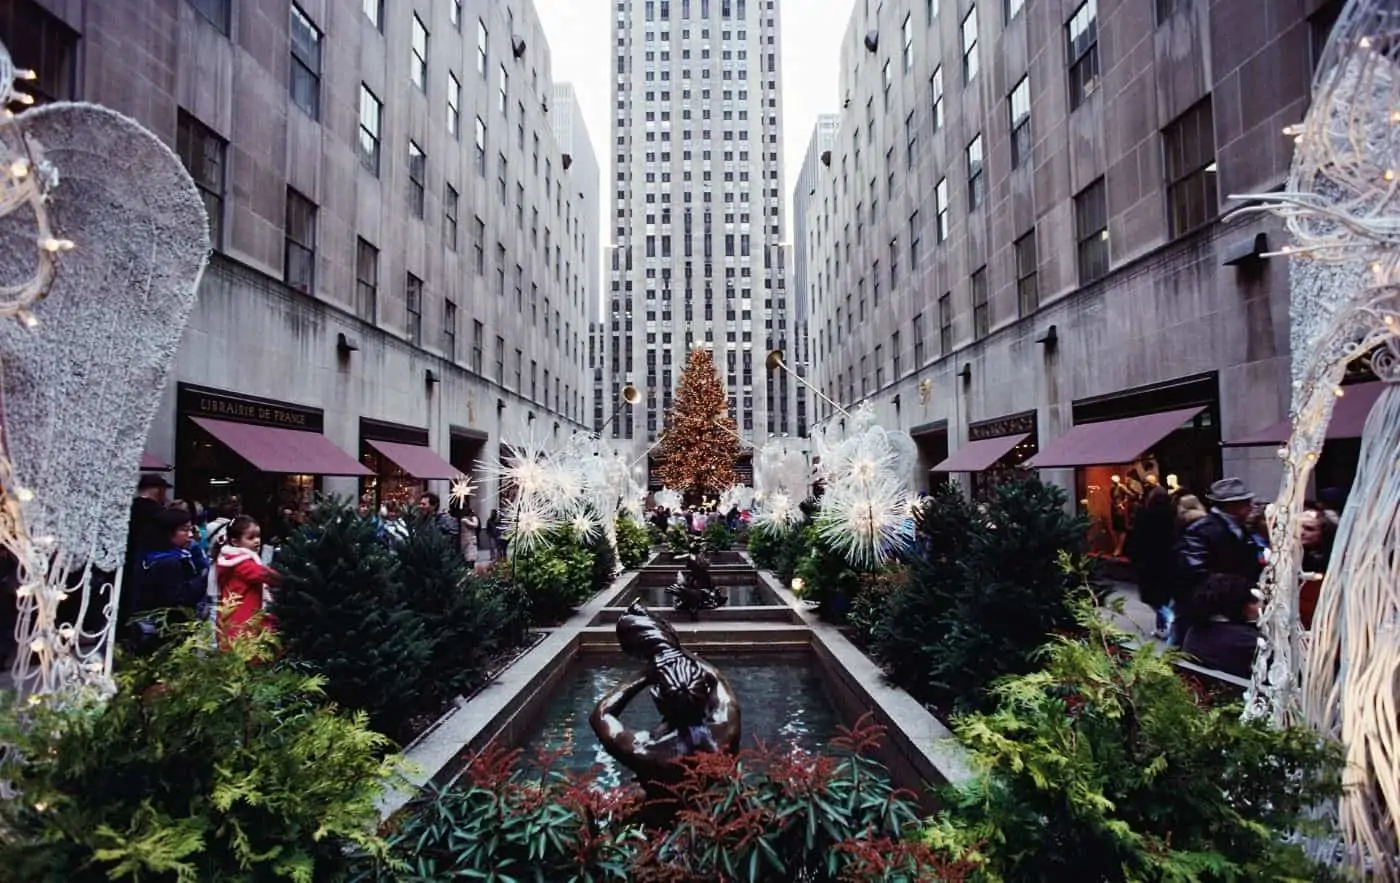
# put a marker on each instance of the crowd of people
(695, 518)
(189, 562)
(1198, 566)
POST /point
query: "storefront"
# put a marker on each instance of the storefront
(995, 451)
(1336, 466)
(400, 463)
(264, 457)
(1125, 444)
(931, 441)
(467, 446)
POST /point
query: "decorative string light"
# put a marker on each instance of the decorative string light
(1343, 212)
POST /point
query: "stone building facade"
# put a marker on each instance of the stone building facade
(1021, 230)
(400, 253)
(822, 140)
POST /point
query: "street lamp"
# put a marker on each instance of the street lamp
(775, 361)
(631, 395)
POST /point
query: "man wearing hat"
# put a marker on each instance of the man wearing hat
(1216, 544)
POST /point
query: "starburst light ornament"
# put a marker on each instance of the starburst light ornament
(461, 490)
(667, 498)
(867, 470)
(782, 482)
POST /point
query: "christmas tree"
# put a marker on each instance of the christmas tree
(700, 443)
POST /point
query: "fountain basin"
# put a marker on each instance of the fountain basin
(783, 698)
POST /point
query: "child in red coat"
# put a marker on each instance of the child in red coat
(242, 578)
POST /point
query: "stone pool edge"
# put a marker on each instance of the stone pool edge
(925, 741)
(495, 704)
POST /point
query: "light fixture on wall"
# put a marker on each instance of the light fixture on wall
(966, 374)
(430, 377)
(345, 344)
(500, 407)
(1050, 339)
(896, 401)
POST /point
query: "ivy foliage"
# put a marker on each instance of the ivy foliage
(1105, 765)
(633, 543)
(205, 766)
(988, 587)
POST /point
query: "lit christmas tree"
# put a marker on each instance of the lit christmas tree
(700, 442)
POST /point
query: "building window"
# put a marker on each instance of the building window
(305, 82)
(40, 42)
(911, 140)
(374, 11)
(366, 280)
(413, 305)
(945, 323)
(918, 341)
(888, 80)
(299, 258)
(478, 344)
(454, 14)
(907, 34)
(940, 205)
(534, 380)
(449, 330)
(481, 48)
(935, 85)
(1189, 145)
(1167, 8)
(1021, 122)
(480, 157)
(216, 11)
(449, 217)
(1091, 231)
(501, 361)
(500, 271)
(502, 90)
(1027, 280)
(896, 363)
(976, 181)
(479, 246)
(518, 362)
(202, 153)
(914, 240)
(1083, 35)
(454, 106)
(969, 45)
(418, 65)
(981, 311)
(417, 174)
(371, 115)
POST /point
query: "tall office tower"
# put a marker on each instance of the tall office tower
(580, 161)
(697, 208)
(819, 146)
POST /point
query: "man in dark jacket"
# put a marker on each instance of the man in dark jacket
(1216, 544)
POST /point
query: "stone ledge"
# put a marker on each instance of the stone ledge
(496, 707)
(924, 742)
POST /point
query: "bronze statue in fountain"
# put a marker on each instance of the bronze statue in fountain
(694, 590)
(699, 711)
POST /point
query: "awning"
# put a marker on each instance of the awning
(979, 455)
(151, 463)
(1348, 419)
(419, 461)
(282, 451)
(1110, 442)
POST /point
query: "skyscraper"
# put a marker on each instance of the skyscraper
(697, 208)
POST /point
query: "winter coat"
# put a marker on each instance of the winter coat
(242, 576)
(168, 578)
(1208, 547)
(1223, 645)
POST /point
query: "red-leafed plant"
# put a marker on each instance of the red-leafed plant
(762, 815)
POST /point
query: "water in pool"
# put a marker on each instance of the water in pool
(782, 697)
(739, 596)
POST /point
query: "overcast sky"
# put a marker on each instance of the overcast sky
(580, 43)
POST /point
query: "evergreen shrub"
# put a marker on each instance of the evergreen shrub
(777, 549)
(633, 543)
(205, 766)
(557, 576)
(988, 586)
(828, 579)
(717, 538)
(1106, 765)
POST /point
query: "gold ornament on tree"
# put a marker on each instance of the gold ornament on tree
(700, 443)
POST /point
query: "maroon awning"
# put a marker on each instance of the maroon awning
(979, 455)
(1349, 415)
(151, 463)
(419, 461)
(1110, 442)
(282, 451)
